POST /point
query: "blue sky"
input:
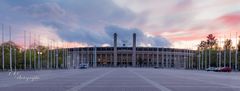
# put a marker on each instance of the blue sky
(172, 23)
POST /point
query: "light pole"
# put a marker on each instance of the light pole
(39, 59)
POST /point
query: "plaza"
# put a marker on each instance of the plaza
(120, 45)
(121, 79)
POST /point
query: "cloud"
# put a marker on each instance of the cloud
(232, 19)
(42, 10)
(72, 21)
(125, 36)
(92, 22)
(106, 38)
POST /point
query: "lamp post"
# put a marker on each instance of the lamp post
(39, 58)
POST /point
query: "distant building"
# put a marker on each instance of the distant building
(131, 56)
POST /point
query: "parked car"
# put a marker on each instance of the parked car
(218, 69)
(223, 69)
(210, 69)
(83, 66)
(156, 67)
(226, 69)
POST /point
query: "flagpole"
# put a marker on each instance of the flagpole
(30, 52)
(15, 59)
(57, 56)
(225, 52)
(199, 56)
(38, 52)
(25, 49)
(3, 67)
(54, 55)
(47, 54)
(202, 59)
(220, 53)
(34, 53)
(205, 53)
(209, 56)
(10, 47)
(51, 54)
(63, 59)
(230, 54)
(236, 53)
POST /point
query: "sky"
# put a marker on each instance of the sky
(157, 23)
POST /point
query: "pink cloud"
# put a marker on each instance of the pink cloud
(231, 19)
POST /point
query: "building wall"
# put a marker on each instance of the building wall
(145, 57)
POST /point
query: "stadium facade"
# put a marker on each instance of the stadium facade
(131, 56)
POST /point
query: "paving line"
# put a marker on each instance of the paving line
(158, 86)
(79, 87)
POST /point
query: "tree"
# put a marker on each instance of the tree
(227, 44)
(202, 45)
(211, 40)
(7, 54)
(238, 45)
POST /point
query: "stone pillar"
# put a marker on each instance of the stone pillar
(162, 57)
(167, 59)
(157, 58)
(148, 58)
(134, 50)
(95, 57)
(115, 50)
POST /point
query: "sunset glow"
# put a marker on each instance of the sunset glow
(81, 23)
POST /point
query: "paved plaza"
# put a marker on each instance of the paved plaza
(119, 79)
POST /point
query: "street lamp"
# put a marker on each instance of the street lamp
(39, 55)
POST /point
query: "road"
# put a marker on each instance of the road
(119, 79)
